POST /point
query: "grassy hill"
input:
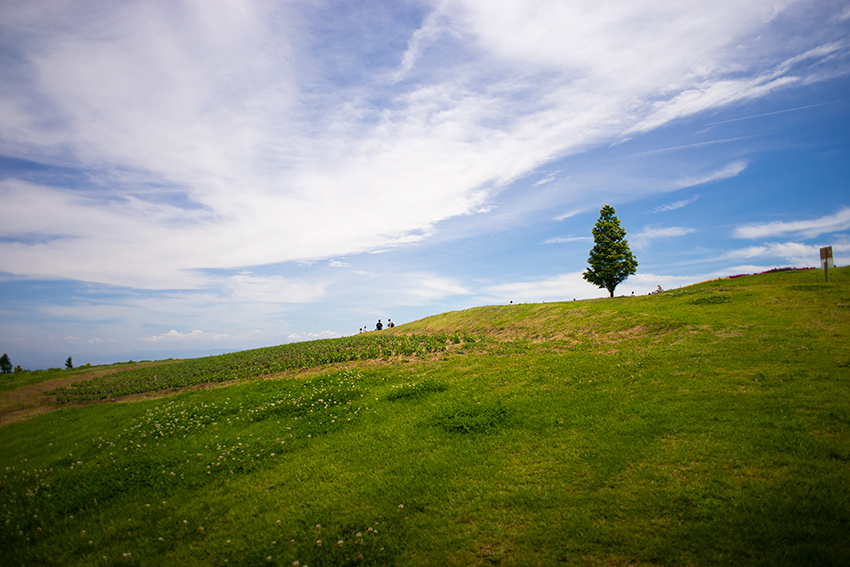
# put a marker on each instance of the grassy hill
(705, 426)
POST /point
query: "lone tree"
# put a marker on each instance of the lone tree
(611, 261)
(5, 364)
(69, 363)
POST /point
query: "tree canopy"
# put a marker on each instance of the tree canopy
(611, 261)
(5, 364)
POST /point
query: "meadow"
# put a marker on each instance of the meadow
(708, 425)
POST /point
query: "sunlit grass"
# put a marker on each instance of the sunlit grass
(667, 430)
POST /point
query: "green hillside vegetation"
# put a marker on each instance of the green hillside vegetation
(708, 425)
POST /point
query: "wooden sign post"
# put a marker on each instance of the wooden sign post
(826, 261)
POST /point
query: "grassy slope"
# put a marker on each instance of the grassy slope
(704, 426)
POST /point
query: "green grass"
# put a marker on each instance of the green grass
(704, 426)
(255, 363)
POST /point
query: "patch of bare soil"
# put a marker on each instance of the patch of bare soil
(31, 400)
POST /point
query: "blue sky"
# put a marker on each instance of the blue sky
(181, 178)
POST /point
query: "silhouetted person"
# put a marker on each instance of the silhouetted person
(379, 326)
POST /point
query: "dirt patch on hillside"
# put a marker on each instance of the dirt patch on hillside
(31, 400)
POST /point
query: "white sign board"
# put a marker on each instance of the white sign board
(826, 260)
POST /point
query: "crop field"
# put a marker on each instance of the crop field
(256, 363)
(708, 425)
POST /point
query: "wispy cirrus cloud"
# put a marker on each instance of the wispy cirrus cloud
(548, 179)
(645, 237)
(725, 172)
(176, 336)
(676, 205)
(264, 170)
(298, 337)
(413, 288)
(566, 239)
(562, 287)
(253, 288)
(569, 214)
(565, 287)
(789, 253)
(836, 222)
(718, 93)
(224, 126)
(783, 111)
(695, 145)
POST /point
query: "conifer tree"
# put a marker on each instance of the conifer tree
(5, 364)
(611, 261)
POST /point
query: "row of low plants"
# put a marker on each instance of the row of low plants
(258, 362)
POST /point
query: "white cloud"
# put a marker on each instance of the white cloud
(215, 139)
(569, 214)
(726, 172)
(378, 291)
(783, 111)
(714, 94)
(696, 144)
(548, 179)
(250, 288)
(415, 288)
(565, 239)
(566, 287)
(644, 282)
(563, 287)
(649, 233)
(676, 205)
(835, 222)
(176, 336)
(298, 337)
(794, 254)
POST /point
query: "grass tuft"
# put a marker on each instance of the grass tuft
(472, 418)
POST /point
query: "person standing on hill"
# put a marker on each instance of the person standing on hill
(390, 324)
(379, 326)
